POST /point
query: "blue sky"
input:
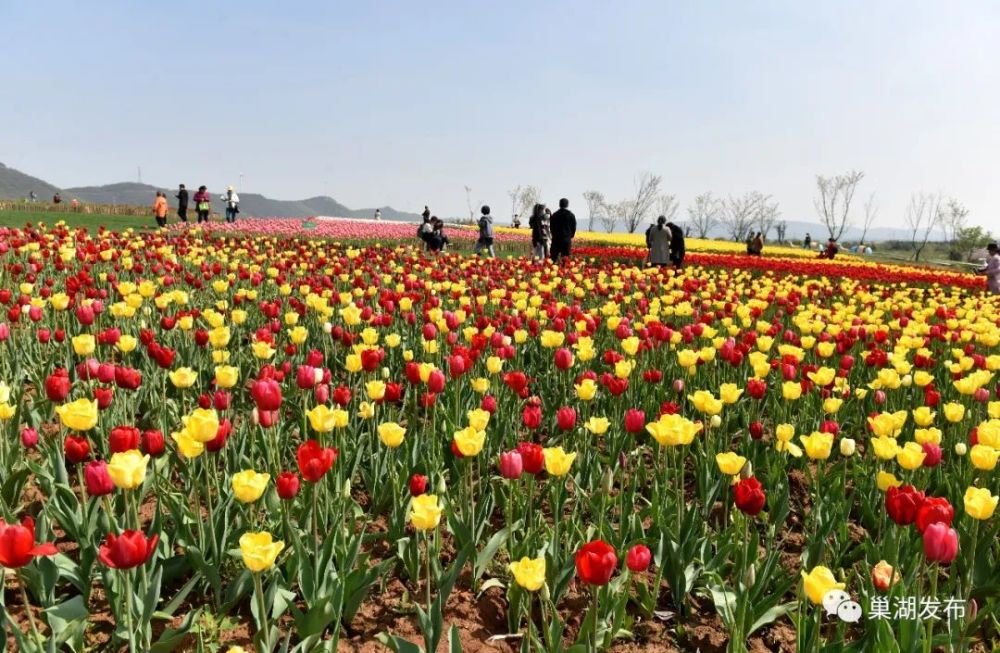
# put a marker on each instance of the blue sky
(404, 103)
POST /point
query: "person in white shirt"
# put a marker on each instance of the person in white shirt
(232, 201)
(378, 215)
(992, 269)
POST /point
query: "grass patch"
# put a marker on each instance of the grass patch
(90, 221)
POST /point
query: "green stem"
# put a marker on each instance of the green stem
(31, 619)
(262, 611)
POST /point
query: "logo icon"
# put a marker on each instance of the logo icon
(839, 602)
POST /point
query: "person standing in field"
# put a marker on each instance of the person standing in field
(563, 227)
(378, 215)
(426, 215)
(677, 249)
(992, 269)
(658, 242)
(182, 203)
(203, 204)
(808, 242)
(757, 247)
(485, 240)
(160, 209)
(232, 201)
(541, 233)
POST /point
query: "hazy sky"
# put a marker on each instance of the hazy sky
(405, 103)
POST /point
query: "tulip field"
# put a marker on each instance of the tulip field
(244, 440)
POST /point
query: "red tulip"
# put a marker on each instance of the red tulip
(97, 479)
(638, 558)
(566, 418)
(315, 460)
(563, 359)
(128, 550)
(287, 484)
(221, 435)
(749, 497)
(435, 382)
(123, 438)
(932, 454)
(418, 485)
(489, 404)
(76, 448)
(152, 443)
(756, 430)
(127, 378)
(104, 397)
(934, 509)
(902, 504)
(17, 544)
(305, 377)
(940, 543)
(635, 421)
(266, 394)
(531, 457)
(57, 385)
(342, 395)
(595, 562)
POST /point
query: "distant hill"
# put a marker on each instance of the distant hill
(17, 185)
(14, 184)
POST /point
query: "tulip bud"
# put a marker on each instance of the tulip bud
(442, 486)
(907, 381)
(418, 485)
(607, 481)
(679, 386)
(288, 485)
(716, 421)
(747, 470)
(97, 479)
(981, 395)
(750, 576)
(756, 430)
(29, 437)
(879, 397)
(847, 447)
(960, 449)
(152, 443)
(346, 492)
(637, 558)
(511, 465)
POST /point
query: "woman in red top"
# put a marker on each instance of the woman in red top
(203, 203)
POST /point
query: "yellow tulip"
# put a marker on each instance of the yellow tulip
(885, 480)
(911, 456)
(259, 550)
(262, 349)
(791, 390)
(954, 412)
(705, 402)
(557, 461)
(984, 457)
(923, 416)
(478, 418)
(885, 448)
(84, 344)
(597, 425)
(188, 446)
(183, 377)
(7, 411)
(322, 418)
(391, 434)
(528, 573)
(425, 512)
(127, 469)
(375, 390)
(817, 445)
(202, 424)
(586, 389)
(79, 415)
(988, 433)
(730, 463)
(980, 503)
(226, 376)
(248, 485)
(730, 393)
(818, 582)
(470, 441)
(126, 344)
(673, 430)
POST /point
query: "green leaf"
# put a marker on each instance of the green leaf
(772, 614)
(398, 644)
(454, 643)
(171, 638)
(485, 557)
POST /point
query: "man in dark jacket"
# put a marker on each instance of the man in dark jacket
(563, 227)
(182, 203)
(676, 245)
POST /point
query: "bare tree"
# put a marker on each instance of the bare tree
(739, 214)
(705, 214)
(515, 201)
(923, 214)
(953, 220)
(834, 202)
(610, 214)
(781, 227)
(871, 212)
(634, 210)
(595, 205)
(468, 201)
(766, 213)
(667, 205)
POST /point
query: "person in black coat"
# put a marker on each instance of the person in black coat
(676, 245)
(563, 227)
(182, 203)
